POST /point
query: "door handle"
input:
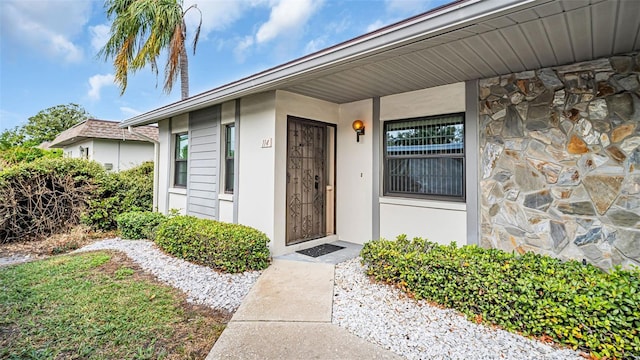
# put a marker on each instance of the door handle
(317, 181)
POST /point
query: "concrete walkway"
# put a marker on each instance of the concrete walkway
(287, 315)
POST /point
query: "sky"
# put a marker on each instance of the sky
(48, 49)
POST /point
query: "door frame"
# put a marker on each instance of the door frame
(331, 135)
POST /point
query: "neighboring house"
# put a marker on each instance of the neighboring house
(105, 142)
(505, 123)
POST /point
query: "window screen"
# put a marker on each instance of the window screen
(424, 157)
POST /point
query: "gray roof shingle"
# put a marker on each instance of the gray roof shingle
(101, 129)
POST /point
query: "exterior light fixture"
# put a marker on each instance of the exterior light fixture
(358, 127)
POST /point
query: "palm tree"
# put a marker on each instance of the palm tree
(141, 29)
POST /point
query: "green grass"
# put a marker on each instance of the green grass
(93, 306)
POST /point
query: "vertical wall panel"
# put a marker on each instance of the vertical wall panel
(204, 160)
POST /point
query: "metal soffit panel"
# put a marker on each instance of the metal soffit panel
(549, 34)
(529, 35)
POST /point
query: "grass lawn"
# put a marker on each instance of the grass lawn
(98, 305)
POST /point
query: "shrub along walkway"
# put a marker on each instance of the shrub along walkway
(287, 315)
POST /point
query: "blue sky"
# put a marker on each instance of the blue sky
(48, 49)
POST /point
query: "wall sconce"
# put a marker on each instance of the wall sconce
(358, 126)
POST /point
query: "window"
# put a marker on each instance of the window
(84, 152)
(424, 157)
(182, 152)
(229, 156)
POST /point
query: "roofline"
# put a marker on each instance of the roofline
(438, 20)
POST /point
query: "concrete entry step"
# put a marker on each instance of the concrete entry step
(290, 291)
(350, 251)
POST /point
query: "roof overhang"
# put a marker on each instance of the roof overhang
(67, 142)
(461, 41)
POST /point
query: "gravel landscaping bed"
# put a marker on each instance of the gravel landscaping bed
(201, 284)
(416, 330)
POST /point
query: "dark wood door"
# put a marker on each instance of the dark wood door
(306, 180)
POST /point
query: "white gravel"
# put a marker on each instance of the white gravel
(378, 313)
(201, 284)
(416, 330)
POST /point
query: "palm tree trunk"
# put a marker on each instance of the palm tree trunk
(184, 73)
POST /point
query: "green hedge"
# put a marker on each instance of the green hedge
(135, 225)
(574, 304)
(120, 192)
(20, 154)
(228, 247)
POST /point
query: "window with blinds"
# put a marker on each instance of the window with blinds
(424, 157)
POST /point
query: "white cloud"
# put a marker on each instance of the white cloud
(286, 16)
(242, 48)
(97, 82)
(45, 26)
(315, 45)
(129, 112)
(412, 7)
(216, 15)
(375, 25)
(99, 36)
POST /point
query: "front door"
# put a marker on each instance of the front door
(306, 180)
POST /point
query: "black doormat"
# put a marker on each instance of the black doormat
(320, 250)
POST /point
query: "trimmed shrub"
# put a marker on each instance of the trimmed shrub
(228, 247)
(129, 190)
(574, 304)
(45, 196)
(136, 225)
(19, 154)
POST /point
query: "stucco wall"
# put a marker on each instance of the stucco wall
(257, 164)
(122, 155)
(73, 150)
(560, 166)
(438, 221)
(354, 220)
(168, 196)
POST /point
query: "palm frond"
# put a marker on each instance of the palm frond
(140, 31)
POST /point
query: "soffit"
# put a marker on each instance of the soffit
(525, 35)
(546, 34)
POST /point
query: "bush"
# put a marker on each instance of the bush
(129, 190)
(19, 154)
(575, 304)
(135, 225)
(228, 247)
(45, 196)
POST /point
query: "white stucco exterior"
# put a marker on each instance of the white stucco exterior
(256, 203)
(114, 155)
(354, 174)
(170, 197)
(262, 168)
(438, 221)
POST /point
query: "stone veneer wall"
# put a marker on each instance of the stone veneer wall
(560, 161)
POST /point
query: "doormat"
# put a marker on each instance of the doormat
(320, 250)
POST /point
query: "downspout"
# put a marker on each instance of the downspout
(156, 164)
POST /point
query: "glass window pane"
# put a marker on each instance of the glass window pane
(182, 146)
(228, 181)
(230, 147)
(230, 141)
(429, 176)
(425, 156)
(180, 164)
(181, 173)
